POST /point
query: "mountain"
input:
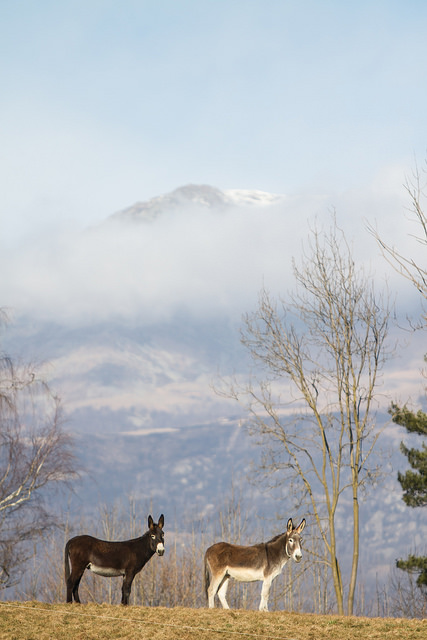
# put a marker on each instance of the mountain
(200, 197)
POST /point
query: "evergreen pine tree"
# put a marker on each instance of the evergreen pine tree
(413, 481)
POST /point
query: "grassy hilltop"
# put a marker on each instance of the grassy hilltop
(40, 621)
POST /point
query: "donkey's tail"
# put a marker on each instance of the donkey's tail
(66, 562)
(206, 576)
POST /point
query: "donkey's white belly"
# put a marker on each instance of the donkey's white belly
(107, 572)
(245, 574)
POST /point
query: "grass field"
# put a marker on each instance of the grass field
(40, 621)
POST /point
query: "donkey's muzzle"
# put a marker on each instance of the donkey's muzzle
(160, 550)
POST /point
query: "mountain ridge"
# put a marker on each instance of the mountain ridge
(204, 197)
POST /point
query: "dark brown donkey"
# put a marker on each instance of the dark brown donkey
(110, 559)
(262, 561)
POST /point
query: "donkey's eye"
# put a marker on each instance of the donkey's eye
(153, 536)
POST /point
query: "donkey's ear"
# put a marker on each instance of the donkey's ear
(161, 521)
(301, 526)
(150, 522)
(289, 525)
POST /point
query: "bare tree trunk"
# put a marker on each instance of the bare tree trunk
(355, 555)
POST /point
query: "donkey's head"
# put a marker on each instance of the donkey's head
(157, 537)
(293, 540)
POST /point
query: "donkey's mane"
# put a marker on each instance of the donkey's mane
(279, 535)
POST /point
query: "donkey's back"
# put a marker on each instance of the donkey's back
(235, 558)
(103, 557)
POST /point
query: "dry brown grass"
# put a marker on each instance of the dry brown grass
(40, 621)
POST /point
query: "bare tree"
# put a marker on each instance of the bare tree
(320, 353)
(35, 457)
(403, 596)
(414, 480)
(415, 273)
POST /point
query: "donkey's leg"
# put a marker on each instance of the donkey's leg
(69, 584)
(127, 586)
(69, 591)
(73, 586)
(263, 605)
(222, 591)
(216, 582)
(76, 589)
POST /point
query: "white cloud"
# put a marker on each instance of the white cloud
(207, 263)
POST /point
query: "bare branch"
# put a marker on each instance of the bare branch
(35, 456)
(403, 264)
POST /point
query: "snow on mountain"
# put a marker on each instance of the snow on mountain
(242, 197)
(203, 197)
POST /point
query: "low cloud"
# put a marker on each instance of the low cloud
(201, 261)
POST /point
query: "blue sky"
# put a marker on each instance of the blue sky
(107, 103)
